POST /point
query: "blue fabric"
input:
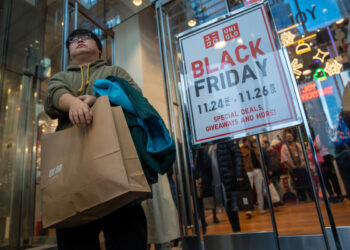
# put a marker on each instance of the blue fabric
(115, 93)
(158, 138)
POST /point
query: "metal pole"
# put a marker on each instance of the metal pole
(227, 6)
(269, 201)
(318, 169)
(187, 176)
(65, 33)
(313, 188)
(160, 29)
(75, 15)
(177, 168)
(113, 50)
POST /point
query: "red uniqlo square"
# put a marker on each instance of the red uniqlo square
(231, 32)
(251, 1)
(211, 39)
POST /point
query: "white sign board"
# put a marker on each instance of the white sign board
(233, 79)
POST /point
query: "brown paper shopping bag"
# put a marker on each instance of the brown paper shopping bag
(88, 173)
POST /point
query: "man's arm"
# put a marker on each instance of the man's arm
(290, 165)
(285, 157)
(79, 111)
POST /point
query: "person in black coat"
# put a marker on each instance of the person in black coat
(233, 176)
(204, 182)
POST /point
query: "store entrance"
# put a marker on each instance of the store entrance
(296, 217)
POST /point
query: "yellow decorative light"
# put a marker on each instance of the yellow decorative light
(296, 66)
(321, 55)
(340, 21)
(287, 38)
(306, 72)
(302, 48)
(333, 67)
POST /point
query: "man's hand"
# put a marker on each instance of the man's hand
(80, 113)
(88, 99)
(199, 180)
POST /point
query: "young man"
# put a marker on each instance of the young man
(69, 98)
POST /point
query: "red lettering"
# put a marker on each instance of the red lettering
(255, 49)
(209, 71)
(197, 69)
(226, 59)
(238, 56)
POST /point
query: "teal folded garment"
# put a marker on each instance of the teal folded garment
(158, 138)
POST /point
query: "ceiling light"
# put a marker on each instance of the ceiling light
(192, 23)
(137, 2)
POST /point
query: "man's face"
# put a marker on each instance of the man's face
(83, 45)
(289, 137)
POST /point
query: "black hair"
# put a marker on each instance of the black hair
(81, 32)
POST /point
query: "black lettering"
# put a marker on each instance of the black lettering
(229, 82)
(312, 12)
(198, 87)
(262, 67)
(212, 81)
(247, 73)
(222, 81)
(301, 17)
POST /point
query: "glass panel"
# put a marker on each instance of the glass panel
(50, 64)
(230, 188)
(9, 120)
(23, 53)
(112, 12)
(316, 36)
(290, 185)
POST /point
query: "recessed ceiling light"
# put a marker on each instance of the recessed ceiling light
(137, 2)
(192, 23)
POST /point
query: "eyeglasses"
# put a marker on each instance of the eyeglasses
(78, 38)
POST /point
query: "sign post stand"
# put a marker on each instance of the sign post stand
(236, 81)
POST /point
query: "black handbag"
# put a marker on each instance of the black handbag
(245, 200)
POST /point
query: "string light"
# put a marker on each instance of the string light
(287, 38)
(296, 66)
(321, 55)
(333, 67)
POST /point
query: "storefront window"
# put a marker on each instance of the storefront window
(316, 36)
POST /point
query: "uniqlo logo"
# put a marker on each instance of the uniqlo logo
(211, 39)
(231, 32)
(251, 1)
